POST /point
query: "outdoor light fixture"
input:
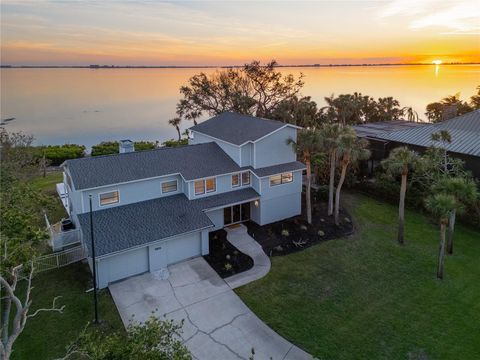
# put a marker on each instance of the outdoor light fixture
(256, 203)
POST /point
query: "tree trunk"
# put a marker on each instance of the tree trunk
(179, 135)
(441, 252)
(331, 185)
(337, 194)
(7, 305)
(308, 195)
(451, 229)
(401, 210)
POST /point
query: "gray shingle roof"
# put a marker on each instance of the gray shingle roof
(192, 161)
(277, 169)
(237, 128)
(464, 129)
(123, 227)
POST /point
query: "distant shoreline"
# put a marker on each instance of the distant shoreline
(97, 66)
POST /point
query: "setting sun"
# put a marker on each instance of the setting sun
(437, 62)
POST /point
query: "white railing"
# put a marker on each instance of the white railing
(60, 239)
(59, 259)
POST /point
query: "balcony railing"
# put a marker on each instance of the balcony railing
(60, 239)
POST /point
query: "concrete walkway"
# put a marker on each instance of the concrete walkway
(217, 324)
(238, 236)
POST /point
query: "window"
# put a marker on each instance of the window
(108, 198)
(211, 185)
(199, 187)
(281, 179)
(246, 178)
(275, 180)
(287, 177)
(169, 186)
(235, 180)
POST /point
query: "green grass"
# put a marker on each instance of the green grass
(47, 335)
(366, 297)
(47, 185)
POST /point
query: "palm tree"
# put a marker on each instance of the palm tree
(306, 145)
(441, 205)
(444, 138)
(175, 122)
(350, 150)
(329, 137)
(399, 162)
(463, 190)
(411, 114)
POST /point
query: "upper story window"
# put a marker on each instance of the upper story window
(169, 186)
(281, 179)
(110, 197)
(207, 185)
(246, 178)
(235, 180)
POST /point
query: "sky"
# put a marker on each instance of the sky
(235, 32)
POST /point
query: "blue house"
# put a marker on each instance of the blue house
(155, 208)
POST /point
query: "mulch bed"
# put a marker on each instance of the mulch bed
(295, 234)
(224, 258)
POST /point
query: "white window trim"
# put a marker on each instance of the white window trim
(281, 182)
(211, 191)
(106, 192)
(168, 192)
(249, 178)
(239, 180)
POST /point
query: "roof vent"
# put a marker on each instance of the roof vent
(126, 146)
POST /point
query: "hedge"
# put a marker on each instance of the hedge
(57, 154)
(111, 147)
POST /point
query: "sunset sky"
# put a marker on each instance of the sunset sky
(230, 32)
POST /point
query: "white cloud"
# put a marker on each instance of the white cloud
(458, 17)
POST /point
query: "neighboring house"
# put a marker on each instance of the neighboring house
(464, 129)
(154, 208)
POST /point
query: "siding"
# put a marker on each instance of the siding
(247, 155)
(274, 150)
(224, 184)
(130, 193)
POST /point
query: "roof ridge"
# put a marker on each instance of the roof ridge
(138, 152)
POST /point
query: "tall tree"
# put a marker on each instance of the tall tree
(255, 89)
(175, 122)
(444, 138)
(441, 205)
(399, 162)
(306, 145)
(350, 150)
(475, 100)
(297, 111)
(464, 191)
(410, 114)
(329, 137)
(449, 107)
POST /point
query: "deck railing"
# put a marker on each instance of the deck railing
(59, 239)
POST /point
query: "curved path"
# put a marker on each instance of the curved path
(217, 324)
(238, 236)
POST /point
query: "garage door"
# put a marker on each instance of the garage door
(174, 250)
(122, 266)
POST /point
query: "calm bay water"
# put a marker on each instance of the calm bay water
(87, 106)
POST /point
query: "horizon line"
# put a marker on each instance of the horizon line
(112, 66)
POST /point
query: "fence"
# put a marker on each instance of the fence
(60, 239)
(59, 259)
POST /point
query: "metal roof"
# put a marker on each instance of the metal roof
(377, 128)
(191, 161)
(464, 129)
(236, 128)
(122, 227)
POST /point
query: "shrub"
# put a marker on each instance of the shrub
(57, 154)
(175, 143)
(111, 147)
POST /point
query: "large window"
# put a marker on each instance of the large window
(281, 178)
(169, 186)
(199, 187)
(108, 198)
(211, 185)
(235, 180)
(208, 185)
(246, 178)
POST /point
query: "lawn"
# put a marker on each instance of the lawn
(47, 335)
(366, 297)
(47, 185)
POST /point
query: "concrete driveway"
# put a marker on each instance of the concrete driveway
(217, 324)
